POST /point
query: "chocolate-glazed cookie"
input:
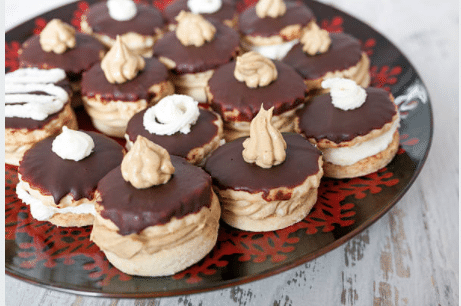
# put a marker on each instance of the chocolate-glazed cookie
(227, 14)
(139, 32)
(296, 14)
(204, 136)
(354, 142)
(343, 58)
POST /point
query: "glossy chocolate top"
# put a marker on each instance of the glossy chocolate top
(31, 124)
(74, 61)
(147, 20)
(319, 119)
(296, 13)
(94, 83)
(133, 210)
(46, 171)
(230, 171)
(226, 12)
(344, 52)
(201, 133)
(191, 59)
(285, 93)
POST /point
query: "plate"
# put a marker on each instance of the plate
(65, 259)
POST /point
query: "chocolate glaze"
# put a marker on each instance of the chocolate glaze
(285, 93)
(230, 171)
(46, 171)
(147, 20)
(74, 61)
(201, 133)
(94, 83)
(226, 12)
(133, 210)
(191, 59)
(319, 119)
(344, 52)
(31, 124)
(296, 13)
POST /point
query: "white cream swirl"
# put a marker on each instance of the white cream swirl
(35, 75)
(32, 100)
(72, 145)
(175, 113)
(122, 10)
(204, 6)
(345, 93)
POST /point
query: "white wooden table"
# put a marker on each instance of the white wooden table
(410, 255)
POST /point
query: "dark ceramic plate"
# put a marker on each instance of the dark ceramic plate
(65, 259)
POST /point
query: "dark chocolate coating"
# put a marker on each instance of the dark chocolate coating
(285, 93)
(344, 52)
(74, 61)
(297, 13)
(226, 12)
(319, 119)
(31, 124)
(46, 171)
(94, 83)
(133, 210)
(230, 171)
(201, 133)
(191, 59)
(148, 19)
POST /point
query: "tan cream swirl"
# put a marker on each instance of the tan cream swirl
(121, 64)
(193, 29)
(270, 8)
(255, 70)
(315, 40)
(146, 164)
(265, 146)
(57, 36)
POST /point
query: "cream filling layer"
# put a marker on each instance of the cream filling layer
(275, 52)
(43, 212)
(346, 156)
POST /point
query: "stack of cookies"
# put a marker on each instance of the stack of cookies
(223, 115)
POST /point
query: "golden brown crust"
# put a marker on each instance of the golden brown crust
(18, 141)
(365, 166)
(251, 212)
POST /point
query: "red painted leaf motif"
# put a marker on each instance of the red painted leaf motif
(82, 7)
(335, 25)
(11, 56)
(161, 5)
(40, 23)
(368, 46)
(381, 77)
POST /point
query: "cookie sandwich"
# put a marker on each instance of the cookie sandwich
(156, 214)
(355, 128)
(272, 27)
(266, 181)
(37, 105)
(223, 11)
(237, 90)
(60, 46)
(123, 84)
(179, 125)
(194, 50)
(58, 176)
(138, 25)
(321, 55)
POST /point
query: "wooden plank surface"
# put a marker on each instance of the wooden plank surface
(410, 255)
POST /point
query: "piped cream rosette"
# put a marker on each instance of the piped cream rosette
(266, 148)
(69, 145)
(163, 249)
(22, 101)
